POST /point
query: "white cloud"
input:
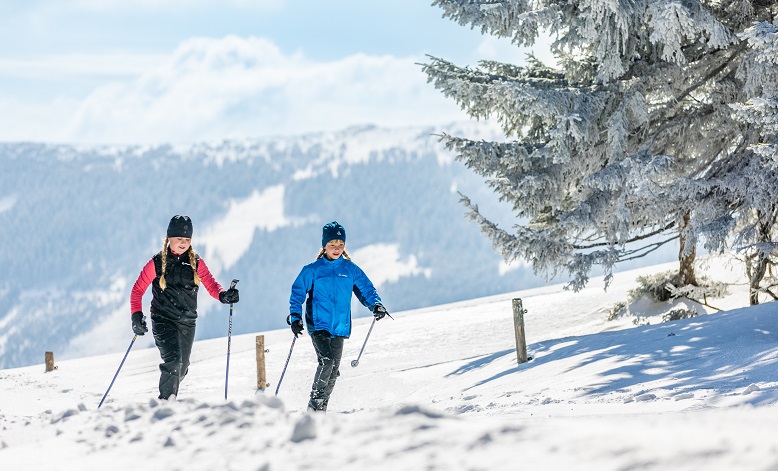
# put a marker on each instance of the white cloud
(74, 75)
(246, 87)
(94, 65)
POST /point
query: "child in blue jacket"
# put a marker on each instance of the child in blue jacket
(325, 286)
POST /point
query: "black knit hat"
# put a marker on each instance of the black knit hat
(180, 226)
(332, 231)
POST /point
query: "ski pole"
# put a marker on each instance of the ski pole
(354, 363)
(229, 341)
(285, 365)
(117, 371)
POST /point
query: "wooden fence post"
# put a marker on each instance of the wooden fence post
(261, 374)
(518, 326)
(50, 362)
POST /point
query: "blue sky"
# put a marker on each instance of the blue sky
(151, 71)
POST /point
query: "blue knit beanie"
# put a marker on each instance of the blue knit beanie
(332, 231)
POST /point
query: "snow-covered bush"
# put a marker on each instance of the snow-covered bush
(677, 314)
(664, 286)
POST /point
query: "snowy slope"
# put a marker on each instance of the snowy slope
(437, 388)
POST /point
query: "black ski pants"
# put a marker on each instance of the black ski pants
(174, 341)
(329, 350)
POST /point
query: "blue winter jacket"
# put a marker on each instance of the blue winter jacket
(325, 286)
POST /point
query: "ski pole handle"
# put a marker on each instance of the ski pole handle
(232, 286)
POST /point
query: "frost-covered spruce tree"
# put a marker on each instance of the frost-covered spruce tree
(617, 149)
(750, 185)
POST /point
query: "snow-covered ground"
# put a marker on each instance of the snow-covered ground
(436, 388)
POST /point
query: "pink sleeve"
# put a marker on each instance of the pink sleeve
(145, 278)
(210, 283)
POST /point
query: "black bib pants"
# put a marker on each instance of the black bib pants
(329, 350)
(174, 342)
(173, 316)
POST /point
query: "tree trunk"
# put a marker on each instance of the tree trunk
(756, 265)
(686, 274)
(755, 271)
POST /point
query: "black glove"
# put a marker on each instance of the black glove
(297, 327)
(139, 323)
(230, 296)
(379, 312)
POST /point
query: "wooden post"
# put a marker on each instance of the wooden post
(518, 326)
(50, 362)
(261, 374)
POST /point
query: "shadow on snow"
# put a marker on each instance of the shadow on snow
(724, 352)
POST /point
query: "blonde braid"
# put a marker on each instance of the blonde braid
(162, 283)
(193, 262)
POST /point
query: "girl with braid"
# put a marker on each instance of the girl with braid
(325, 287)
(175, 274)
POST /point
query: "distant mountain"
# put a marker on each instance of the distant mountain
(78, 223)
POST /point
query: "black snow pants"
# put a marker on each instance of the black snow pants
(174, 341)
(329, 351)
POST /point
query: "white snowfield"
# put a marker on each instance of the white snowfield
(436, 388)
